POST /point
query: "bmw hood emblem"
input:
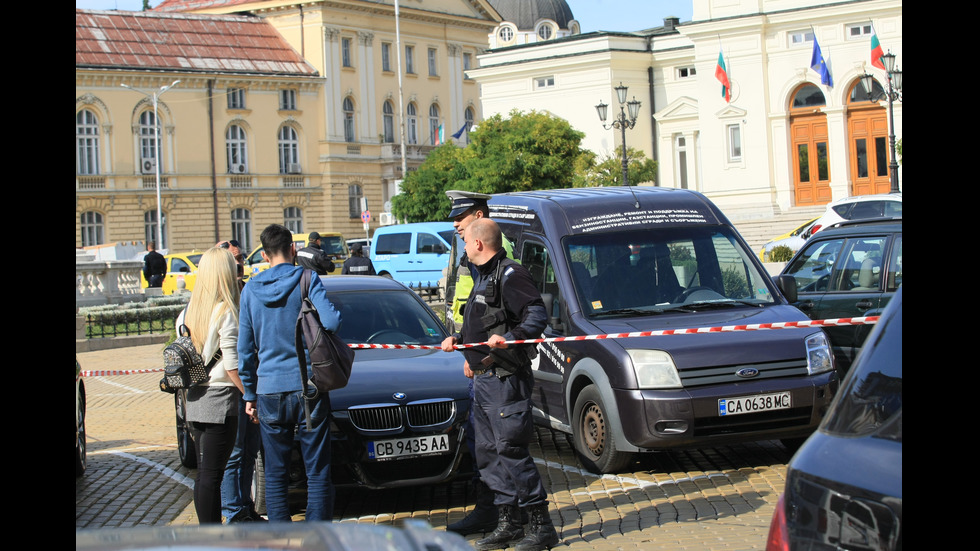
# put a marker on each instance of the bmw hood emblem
(399, 396)
(747, 372)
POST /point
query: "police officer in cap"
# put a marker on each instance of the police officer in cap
(313, 258)
(504, 305)
(358, 264)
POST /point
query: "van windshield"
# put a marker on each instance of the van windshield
(642, 272)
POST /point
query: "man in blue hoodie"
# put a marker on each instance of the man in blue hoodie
(270, 373)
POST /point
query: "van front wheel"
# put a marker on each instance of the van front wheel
(593, 437)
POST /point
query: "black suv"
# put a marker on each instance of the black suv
(851, 269)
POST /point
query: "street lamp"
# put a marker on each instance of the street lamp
(894, 93)
(155, 98)
(622, 121)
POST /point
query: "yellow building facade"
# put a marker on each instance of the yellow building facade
(243, 146)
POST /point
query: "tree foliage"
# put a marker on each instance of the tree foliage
(608, 170)
(523, 152)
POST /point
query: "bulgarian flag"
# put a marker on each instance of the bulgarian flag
(876, 51)
(440, 136)
(721, 73)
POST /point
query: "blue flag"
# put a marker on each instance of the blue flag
(821, 65)
(459, 134)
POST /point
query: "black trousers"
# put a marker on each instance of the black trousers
(214, 442)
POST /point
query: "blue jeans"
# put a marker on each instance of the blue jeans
(236, 486)
(282, 420)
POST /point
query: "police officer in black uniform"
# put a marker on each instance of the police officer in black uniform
(313, 258)
(154, 266)
(504, 305)
(357, 264)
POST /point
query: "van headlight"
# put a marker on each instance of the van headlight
(819, 357)
(654, 369)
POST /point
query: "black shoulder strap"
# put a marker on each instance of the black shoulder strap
(304, 284)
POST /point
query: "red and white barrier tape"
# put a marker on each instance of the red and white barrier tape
(867, 320)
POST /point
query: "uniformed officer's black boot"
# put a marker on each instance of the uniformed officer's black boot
(483, 517)
(508, 530)
(541, 532)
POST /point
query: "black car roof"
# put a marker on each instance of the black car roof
(360, 283)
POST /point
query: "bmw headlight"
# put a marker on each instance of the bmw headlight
(654, 369)
(819, 358)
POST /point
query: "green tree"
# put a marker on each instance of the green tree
(423, 192)
(592, 171)
(523, 152)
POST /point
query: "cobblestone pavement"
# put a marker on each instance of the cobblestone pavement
(719, 498)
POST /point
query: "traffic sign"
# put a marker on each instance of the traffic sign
(366, 216)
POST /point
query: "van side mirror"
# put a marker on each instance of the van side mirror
(787, 286)
(553, 308)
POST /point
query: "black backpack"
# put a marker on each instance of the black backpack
(183, 366)
(332, 359)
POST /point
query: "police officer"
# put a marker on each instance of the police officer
(467, 207)
(154, 266)
(313, 258)
(357, 264)
(504, 305)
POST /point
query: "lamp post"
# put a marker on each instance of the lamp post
(894, 92)
(622, 121)
(155, 98)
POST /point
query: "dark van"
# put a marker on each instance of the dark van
(637, 259)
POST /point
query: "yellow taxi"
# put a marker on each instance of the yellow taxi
(332, 243)
(181, 267)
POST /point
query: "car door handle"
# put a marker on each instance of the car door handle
(806, 305)
(864, 305)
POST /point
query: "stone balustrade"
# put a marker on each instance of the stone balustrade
(107, 282)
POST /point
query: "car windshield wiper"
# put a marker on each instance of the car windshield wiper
(627, 312)
(712, 305)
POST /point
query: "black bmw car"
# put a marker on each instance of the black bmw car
(844, 485)
(399, 421)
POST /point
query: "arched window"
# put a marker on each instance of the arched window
(150, 228)
(388, 119)
(413, 124)
(86, 143)
(288, 151)
(148, 135)
(93, 230)
(241, 228)
(808, 96)
(544, 31)
(354, 195)
(348, 119)
(506, 34)
(235, 146)
(293, 219)
(434, 137)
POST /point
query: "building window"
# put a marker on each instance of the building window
(287, 100)
(433, 65)
(293, 219)
(348, 120)
(150, 229)
(148, 137)
(801, 38)
(86, 143)
(386, 56)
(288, 151)
(734, 135)
(236, 98)
(345, 52)
(235, 146)
(680, 146)
(413, 124)
(544, 32)
(388, 120)
(241, 228)
(686, 72)
(354, 195)
(506, 34)
(470, 117)
(410, 60)
(93, 231)
(544, 82)
(467, 61)
(861, 30)
(434, 137)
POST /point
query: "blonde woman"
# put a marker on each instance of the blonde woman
(212, 407)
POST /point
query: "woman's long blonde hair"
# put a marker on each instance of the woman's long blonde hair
(216, 288)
